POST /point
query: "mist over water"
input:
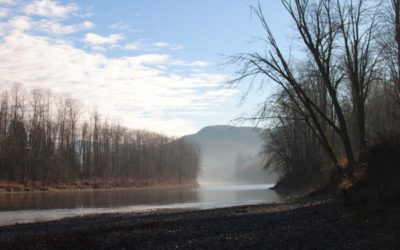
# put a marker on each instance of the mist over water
(231, 155)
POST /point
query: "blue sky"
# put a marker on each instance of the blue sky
(149, 64)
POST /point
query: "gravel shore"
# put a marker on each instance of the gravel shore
(317, 224)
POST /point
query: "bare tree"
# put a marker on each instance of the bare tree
(338, 37)
(358, 25)
(319, 39)
(43, 141)
(396, 8)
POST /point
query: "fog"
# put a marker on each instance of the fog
(231, 155)
(227, 165)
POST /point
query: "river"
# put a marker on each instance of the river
(28, 207)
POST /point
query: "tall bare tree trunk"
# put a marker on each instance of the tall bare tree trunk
(396, 5)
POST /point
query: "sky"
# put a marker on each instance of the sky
(157, 64)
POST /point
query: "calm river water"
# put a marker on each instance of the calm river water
(44, 206)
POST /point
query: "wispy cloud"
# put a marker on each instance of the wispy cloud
(164, 45)
(119, 26)
(7, 2)
(51, 27)
(144, 91)
(129, 87)
(191, 64)
(3, 13)
(50, 8)
(102, 43)
(95, 39)
(18, 23)
(54, 27)
(146, 45)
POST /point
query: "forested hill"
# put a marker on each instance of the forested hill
(230, 154)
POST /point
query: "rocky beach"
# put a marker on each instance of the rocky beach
(312, 224)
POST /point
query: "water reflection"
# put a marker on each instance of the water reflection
(230, 195)
(42, 206)
(95, 198)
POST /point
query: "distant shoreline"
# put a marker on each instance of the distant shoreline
(94, 184)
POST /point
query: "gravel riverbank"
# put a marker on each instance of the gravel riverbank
(317, 224)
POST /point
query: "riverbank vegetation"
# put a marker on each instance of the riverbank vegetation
(335, 116)
(48, 141)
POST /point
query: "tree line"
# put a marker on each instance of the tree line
(338, 95)
(46, 138)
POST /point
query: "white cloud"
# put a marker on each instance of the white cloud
(132, 89)
(119, 26)
(96, 40)
(224, 92)
(164, 45)
(88, 24)
(50, 8)
(152, 90)
(133, 46)
(191, 64)
(145, 45)
(55, 27)
(13, 20)
(51, 27)
(19, 23)
(200, 64)
(3, 12)
(8, 2)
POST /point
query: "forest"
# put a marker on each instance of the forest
(49, 139)
(335, 113)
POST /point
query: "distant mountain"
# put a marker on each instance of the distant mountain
(231, 154)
